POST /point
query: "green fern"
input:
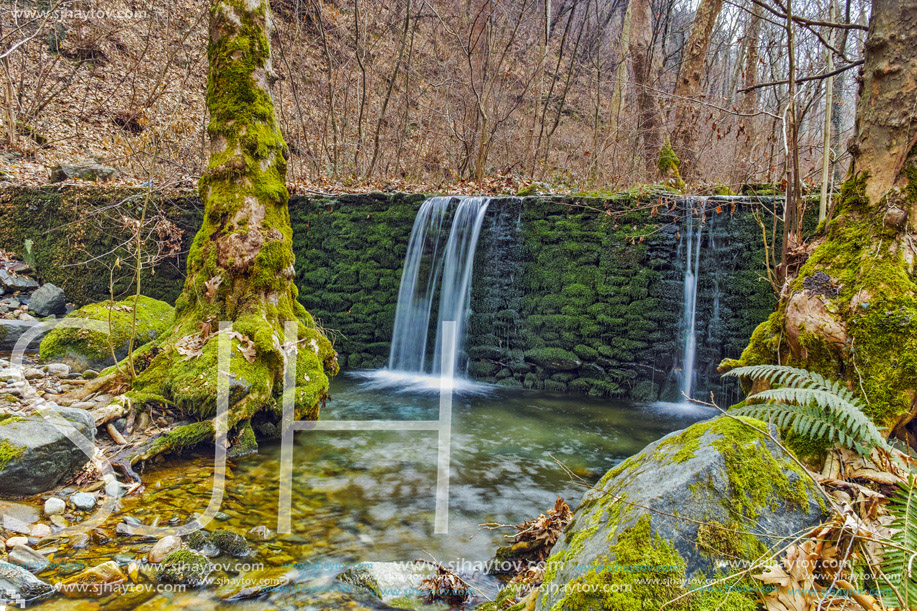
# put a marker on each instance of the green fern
(901, 559)
(811, 406)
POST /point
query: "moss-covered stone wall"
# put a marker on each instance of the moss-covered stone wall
(580, 295)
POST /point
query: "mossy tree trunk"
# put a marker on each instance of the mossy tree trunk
(240, 266)
(851, 310)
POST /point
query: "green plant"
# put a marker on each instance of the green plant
(900, 558)
(810, 405)
(28, 256)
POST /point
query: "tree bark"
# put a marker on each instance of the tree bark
(240, 266)
(688, 85)
(851, 312)
(641, 53)
(748, 129)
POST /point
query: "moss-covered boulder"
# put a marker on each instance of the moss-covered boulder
(84, 349)
(677, 514)
(36, 453)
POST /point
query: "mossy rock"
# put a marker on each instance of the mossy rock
(723, 473)
(185, 567)
(85, 349)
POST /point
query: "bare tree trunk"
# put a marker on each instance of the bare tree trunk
(641, 52)
(688, 85)
(826, 139)
(792, 213)
(851, 312)
(748, 129)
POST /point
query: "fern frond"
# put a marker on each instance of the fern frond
(901, 558)
(810, 405)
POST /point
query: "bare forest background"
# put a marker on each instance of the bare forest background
(420, 94)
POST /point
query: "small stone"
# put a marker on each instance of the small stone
(92, 581)
(83, 405)
(90, 374)
(80, 541)
(40, 531)
(163, 548)
(59, 521)
(29, 559)
(114, 489)
(59, 369)
(33, 374)
(222, 517)
(54, 506)
(261, 533)
(14, 541)
(83, 501)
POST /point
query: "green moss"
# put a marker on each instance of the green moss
(230, 543)
(9, 452)
(185, 567)
(872, 294)
(757, 479)
(94, 348)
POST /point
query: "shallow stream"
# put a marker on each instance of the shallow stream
(369, 496)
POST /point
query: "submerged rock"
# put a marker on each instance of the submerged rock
(727, 478)
(29, 559)
(396, 584)
(230, 543)
(94, 581)
(83, 349)
(256, 583)
(163, 548)
(185, 567)
(36, 454)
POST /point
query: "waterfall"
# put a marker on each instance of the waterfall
(689, 313)
(427, 260)
(422, 266)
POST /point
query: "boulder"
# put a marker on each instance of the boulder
(48, 300)
(36, 454)
(89, 170)
(729, 479)
(83, 349)
(18, 583)
(11, 330)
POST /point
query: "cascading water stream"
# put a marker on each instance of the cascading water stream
(428, 260)
(422, 267)
(689, 314)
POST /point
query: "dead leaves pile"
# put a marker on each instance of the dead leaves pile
(445, 585)
(821, 573)
(545, 529)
